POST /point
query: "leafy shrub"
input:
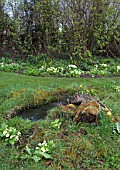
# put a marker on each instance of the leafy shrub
(36, 59)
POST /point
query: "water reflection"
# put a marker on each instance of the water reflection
(40, 112)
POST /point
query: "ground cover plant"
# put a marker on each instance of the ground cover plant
(41, 65)
(56, 142)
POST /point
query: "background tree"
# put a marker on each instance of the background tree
(77, 28)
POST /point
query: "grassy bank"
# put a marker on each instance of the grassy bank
(82, 146)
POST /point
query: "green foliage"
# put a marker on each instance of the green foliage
(117, 88)
(62, 68)
(56, 124)
(19, 123)
(9, 135)
(61, 27)
(37, 59)
(43, 150)
(10, 67)
(31, 71)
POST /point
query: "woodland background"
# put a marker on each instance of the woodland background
(60, 28)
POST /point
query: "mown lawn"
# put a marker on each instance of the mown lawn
(83, 146)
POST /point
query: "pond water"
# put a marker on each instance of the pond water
(40, 112)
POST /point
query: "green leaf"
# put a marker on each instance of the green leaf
(12, 141)
(36, 158)
(28, 150)
(1, 134)
(46, 155)
(6, 140)
(118, 127)
(4, 126)
(25, 156)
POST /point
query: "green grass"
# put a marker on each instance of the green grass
(82, 146)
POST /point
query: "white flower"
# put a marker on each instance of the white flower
(37, 147)
(12, 136)
(39, 144)
(72, 66)
(43, 149)
(10, 130)
(104, 65)
(118, 68)
(44, 143)
(7, 135)
(60, 69)
(17, 138)
(41, 68)
(5, 132)
(19, 133)
(75, 72)
(52, 69)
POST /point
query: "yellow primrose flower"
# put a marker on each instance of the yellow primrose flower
(81, 86)
(109, 113)
(87, 90)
